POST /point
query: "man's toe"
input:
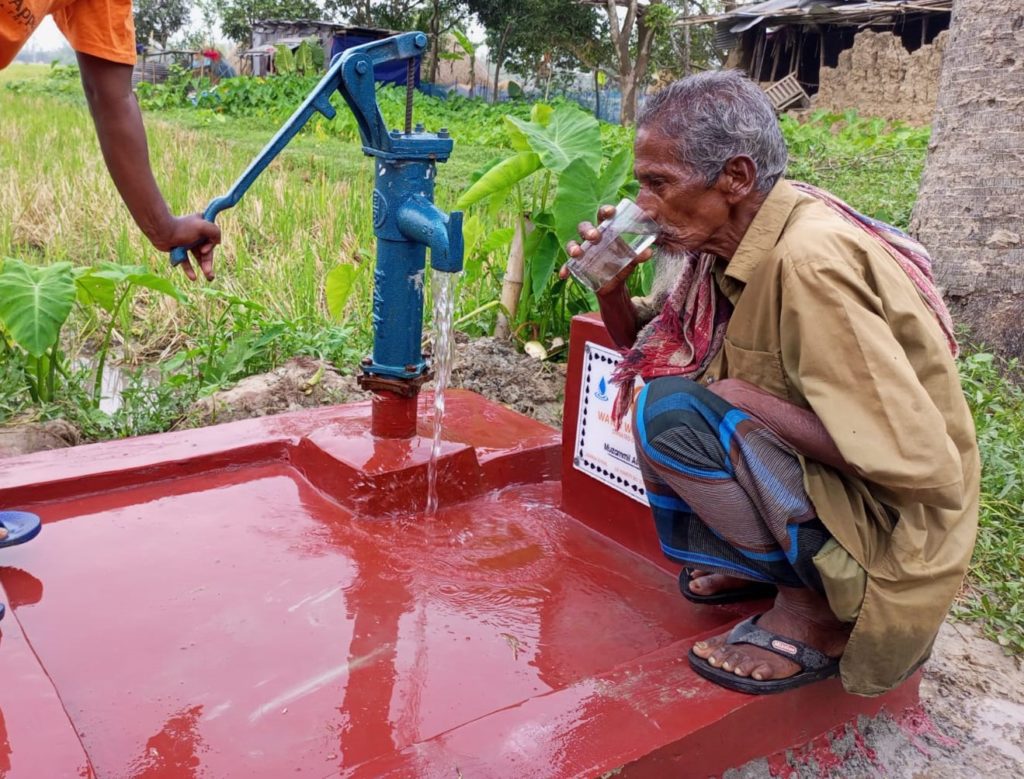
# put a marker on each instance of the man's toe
(744, 666)
(704, 649)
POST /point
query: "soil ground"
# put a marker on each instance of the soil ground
(970, 723)
(971, 719)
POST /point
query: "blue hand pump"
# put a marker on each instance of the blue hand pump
(405, 220)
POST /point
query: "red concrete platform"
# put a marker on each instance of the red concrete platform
(265, 597)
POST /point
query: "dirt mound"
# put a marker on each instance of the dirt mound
(879, 77)
(499, 372)
(493, 368)
(302, 382)
(27, 437)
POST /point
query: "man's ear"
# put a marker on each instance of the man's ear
(738, 178)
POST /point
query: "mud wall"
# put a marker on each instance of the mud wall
(879, 77)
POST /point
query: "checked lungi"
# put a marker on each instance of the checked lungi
(726, 492)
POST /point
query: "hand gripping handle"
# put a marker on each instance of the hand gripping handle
(318, 101)
(180, 253)
(351, 72)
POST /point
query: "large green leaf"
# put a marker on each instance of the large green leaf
(35, 302)
(98, 284)
(541, 114)
(156, 283)
(576, 200)
(570, 135)
(479, 172)
(95, 290)
(464, 42)
(497, 202)
(517, 138)
(472, 234)
(613, 176)
(339, 288)
(497, 239)
(542, 261)
(501, 177)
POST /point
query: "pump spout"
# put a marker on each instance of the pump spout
(419, 220)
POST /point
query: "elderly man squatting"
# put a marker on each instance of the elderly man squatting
(801, 429)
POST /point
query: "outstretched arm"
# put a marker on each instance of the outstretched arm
(122, 137)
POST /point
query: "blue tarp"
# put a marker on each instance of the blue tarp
(386, 73)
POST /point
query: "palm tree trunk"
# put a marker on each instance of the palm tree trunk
(970, 209)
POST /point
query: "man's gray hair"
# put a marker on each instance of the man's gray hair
(715, 116)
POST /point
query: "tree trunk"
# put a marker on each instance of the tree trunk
(435, 29)
(970, 209)
(627, 86)
(631, 72)
(499, 58)
(687, 44)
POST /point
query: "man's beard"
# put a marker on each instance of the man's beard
(667, 265)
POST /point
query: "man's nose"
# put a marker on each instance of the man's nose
(646, 202)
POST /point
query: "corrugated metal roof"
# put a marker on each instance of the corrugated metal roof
(265, 24)
(805, 12)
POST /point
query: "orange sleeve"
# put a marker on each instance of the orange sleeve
(102, 28)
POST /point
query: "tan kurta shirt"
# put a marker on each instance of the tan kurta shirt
(827, 319)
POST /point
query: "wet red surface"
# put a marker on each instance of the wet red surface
(264, 598)
(246, 624)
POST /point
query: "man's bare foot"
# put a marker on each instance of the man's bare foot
(705, 583)
(4, 532)
(798, 613)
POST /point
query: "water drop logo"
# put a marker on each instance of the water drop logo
(602, 390)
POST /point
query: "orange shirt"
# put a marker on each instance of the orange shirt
(102, 28)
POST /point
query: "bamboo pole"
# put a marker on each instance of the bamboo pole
(512, 287)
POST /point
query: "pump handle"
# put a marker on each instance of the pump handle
(350, 73)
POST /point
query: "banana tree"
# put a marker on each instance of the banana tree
(558, 177)
(469, 48)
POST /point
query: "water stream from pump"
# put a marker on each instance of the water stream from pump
(443, 288)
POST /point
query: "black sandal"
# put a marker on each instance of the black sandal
(815, 666)
(753, 591)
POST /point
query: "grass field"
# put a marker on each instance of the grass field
(310, 212)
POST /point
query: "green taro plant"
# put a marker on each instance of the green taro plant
(35, 303)
(559, 176)
(111, 287)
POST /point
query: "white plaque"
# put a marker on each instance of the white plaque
(601, 451)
